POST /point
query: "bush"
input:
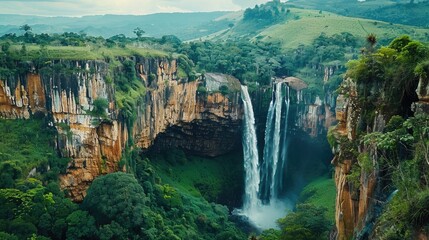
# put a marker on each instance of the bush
(99, 109)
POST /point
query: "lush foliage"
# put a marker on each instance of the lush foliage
(268, 13)
(385, 81)
(116, 197)
(27, 145)
(405, 151)
(139, 205)
(153, 203)
(258, 62)
(387, 78)
(31, 202)
(247, 61)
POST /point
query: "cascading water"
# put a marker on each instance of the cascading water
(266, 183)
(250, 151)
(276, 142)
(285, 142)
(272, 145)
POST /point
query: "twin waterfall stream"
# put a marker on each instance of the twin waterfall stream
(264, 179)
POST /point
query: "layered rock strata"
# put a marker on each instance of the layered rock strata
(95, 144)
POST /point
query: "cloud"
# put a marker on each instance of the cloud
(138, 7)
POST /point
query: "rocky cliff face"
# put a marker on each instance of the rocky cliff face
(95, 144)
(351, 201)
(211, 131)
(358, 199)
(189, 119)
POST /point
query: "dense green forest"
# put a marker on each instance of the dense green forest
(160, 196)
(132, 205)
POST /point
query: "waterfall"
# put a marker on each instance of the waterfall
(276, 141)
(267, 154)
(271, 172)
(284, 140)
(250, 151)
(262, 205)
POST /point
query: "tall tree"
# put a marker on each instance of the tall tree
(117, 197)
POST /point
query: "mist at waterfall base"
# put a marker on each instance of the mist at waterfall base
(263, 203)
(290, 159)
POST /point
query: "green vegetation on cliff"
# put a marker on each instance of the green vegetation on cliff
(26, 152)
(382, 85)
(30, 199)
(72, 46)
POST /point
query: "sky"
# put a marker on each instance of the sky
(136, 7)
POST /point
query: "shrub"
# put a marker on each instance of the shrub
(99, 109)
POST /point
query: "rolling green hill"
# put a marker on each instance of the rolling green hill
(410, 12)
(302, 26)
(305, 25)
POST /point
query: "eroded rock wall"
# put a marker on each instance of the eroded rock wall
(359, 200)
(356, 198)
(95, 144)
(212, 132)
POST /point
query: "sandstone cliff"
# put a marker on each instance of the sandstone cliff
(359, 201)
(95, 144)
(352, 201)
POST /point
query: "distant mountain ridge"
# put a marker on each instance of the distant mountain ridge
(184, 25)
